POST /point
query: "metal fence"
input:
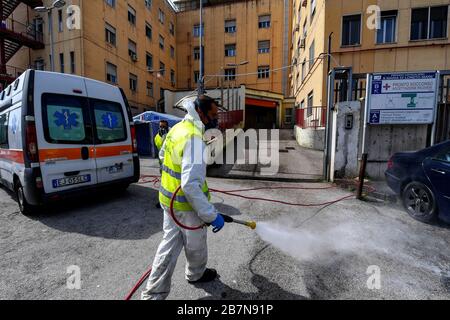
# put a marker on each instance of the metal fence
(311, 117)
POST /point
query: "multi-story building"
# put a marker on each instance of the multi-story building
(412, 36)
(253, 32)
(128, 43)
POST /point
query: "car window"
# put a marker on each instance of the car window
(109, 121)
(4, 131)
(65, 119)
(444, 156)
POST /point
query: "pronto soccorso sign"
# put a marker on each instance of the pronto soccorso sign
(402, 98)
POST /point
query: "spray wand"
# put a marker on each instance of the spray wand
(250, 224)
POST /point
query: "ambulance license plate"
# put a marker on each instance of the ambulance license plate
(63, 182)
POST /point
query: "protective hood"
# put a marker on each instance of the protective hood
(193, 116)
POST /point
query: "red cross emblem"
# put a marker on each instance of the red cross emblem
(386, 87)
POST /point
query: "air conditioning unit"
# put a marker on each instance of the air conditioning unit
(297, 28)
(304, 3)
(134, 57)
(303, 43)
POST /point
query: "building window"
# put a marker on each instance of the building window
(197, 30)
(305, 28)
(263, 72)
(172, 77)
(196, 76)
(61, 62)
(133, 82)
(110, 34)
(288, 115)
(60, 21)
(161, 16)
(230, 26)
(149, 61)
(197, 53)
(351, 30)
(161, 42)
(172, 52)
(230, 50)
(72, 62)
(161, 93)
(162, 69)
(429, 23)
(303, 70)
(111, 3)
(230, 74)
(148, 31)
(309, 111)
(39, 64)
(131, 15)
(148, 4)
(388, 27)
(172, 29)
(132, 52)
(150, 89)
(313, 9)
(264, 46)
(264, 22)
(312, 55)
(111, 73)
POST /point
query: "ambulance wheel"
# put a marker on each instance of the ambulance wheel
(24, 207)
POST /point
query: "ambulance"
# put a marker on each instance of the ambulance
(63, 135)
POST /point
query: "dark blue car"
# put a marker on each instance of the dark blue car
(422, 179)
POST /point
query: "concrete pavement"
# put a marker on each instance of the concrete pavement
(112, 238)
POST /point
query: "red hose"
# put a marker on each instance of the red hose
(155, 180)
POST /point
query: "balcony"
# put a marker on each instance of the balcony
(24, 34)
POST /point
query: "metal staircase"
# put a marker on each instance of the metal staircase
(14, 35)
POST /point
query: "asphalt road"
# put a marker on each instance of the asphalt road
(112, 238)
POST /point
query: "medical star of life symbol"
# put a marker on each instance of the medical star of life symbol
(66, 119)
(110, 120)
(386, 87)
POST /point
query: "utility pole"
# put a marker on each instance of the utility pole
(201, 83)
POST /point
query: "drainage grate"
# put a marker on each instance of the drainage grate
(290, 148)
(284, 151)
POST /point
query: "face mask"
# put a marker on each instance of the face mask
(162, 131)
(212, 124)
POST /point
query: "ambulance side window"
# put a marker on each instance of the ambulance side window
(110, 125)
(66, 119)
(4, 131)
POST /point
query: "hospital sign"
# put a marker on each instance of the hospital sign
(402, 98)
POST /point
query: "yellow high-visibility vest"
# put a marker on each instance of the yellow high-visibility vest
(159, 141)
(175, 142)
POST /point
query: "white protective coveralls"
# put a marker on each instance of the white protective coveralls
(175, 238)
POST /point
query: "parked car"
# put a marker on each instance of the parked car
(422, 179)
(62, 135)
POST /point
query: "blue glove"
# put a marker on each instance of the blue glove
(218, 223)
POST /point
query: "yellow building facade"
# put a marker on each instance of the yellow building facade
(247, 37)
(412, 36)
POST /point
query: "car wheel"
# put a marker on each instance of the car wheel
(419, 202)
(24, 207)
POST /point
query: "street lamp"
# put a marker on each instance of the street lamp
(56, 4)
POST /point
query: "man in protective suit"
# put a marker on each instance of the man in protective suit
(183, 164)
